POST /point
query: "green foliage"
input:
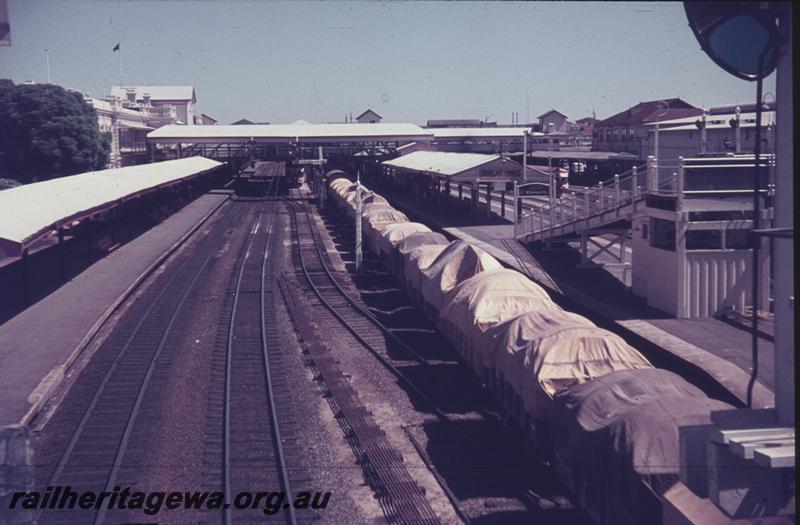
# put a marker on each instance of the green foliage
(48, 132)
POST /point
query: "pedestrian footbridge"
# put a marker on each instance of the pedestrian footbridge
(610, 204)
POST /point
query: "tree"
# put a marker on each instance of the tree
(48, 132)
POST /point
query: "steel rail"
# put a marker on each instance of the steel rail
(363, 311)
(270, 395)
(226, 467)
(123, 445)
(101, 389)
(383, 360)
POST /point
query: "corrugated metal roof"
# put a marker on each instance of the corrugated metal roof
(716, 121)
(31, 210)
(650, 111)
(287, 132)
(474, 133)
(440, 162)
(156, 92)
(583, 155)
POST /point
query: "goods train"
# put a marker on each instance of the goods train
(583, 397)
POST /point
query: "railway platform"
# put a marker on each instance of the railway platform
(710, 349)
(41, 343)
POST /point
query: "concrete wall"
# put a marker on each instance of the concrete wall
(716, 280)
(654, 274)
(558, 121)
(695, 283)
(686, 143)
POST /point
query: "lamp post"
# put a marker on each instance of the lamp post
(359, 198)
(551, 193)
(525, 157)
(358, 254)
(658, 116)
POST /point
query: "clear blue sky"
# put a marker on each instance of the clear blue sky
(410, 61)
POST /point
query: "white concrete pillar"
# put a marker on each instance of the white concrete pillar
(784, 218)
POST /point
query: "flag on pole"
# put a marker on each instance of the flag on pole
(116, 47)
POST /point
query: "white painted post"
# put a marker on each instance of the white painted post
(679, 183)
(616, 189)
(358, 222)
(634, 182)
(602, 195)
(525, 157)
(574, 207)
(738, 130)
(586, 202)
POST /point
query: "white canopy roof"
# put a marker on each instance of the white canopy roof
(478, 133)
(31, 210)
(441, 162)
(291, 132)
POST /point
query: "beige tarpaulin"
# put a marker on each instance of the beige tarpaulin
(339, 185)
(484, 300)
(619, 440)
(410, 243)
(415, 240)
(458, 262)
(417, 261)
(541, 353)
(375, 220)
(394, 233)
(366, 199)
(370, 209)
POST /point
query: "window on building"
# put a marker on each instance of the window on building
(662, 234)
(737, 240)
(631, 132)
(704, 240)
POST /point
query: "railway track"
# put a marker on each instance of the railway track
(107, 448)
(246, 428)
(99, 454)
(500, 459)
(401, 498)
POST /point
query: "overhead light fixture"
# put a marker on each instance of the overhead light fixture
(740, 37)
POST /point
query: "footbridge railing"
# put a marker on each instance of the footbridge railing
(584, 203)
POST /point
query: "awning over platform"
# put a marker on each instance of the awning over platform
(285, 133)
(30, 211)
(458, 167)
(481, 133)
(583, 155)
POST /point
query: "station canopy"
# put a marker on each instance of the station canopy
(286, 133)
(583, 155)
(482, 133)
(31, 211)
(458, 167)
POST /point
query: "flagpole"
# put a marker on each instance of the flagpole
(120, 66)
(47, 62)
